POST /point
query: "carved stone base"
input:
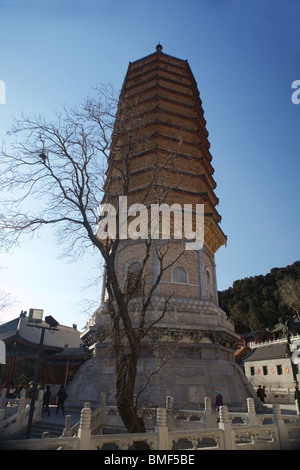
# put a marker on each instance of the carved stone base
(190, 351)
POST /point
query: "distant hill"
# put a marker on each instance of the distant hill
(254, 303)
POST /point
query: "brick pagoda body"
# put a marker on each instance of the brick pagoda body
(164, 113)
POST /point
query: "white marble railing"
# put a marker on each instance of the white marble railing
(217, 431)
(16, 421)
(253, 344)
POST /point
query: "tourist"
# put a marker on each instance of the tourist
(61, 396)
(219, 400)
(47, 400)
(260, 392)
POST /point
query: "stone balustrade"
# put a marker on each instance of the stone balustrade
(269, 342)
(16, 421)
(216, 431)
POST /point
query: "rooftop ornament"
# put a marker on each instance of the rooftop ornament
(159, 47)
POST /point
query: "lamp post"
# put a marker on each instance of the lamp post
(36, 317)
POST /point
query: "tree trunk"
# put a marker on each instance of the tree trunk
(126, 376)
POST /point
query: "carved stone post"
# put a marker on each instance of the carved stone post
(84, 432)
(162, 429)
(103, 409)
(282, 431)
(67, 432)
(21, 413)
(169, 403)
(39, 405)
(297, 409)
(251, 412)
(207, 413)
(225, 425)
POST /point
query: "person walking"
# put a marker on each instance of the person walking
(61, 397)
(260, 392)
(219, 400)
(47, 400)
(264, 394)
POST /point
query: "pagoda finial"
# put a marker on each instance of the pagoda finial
(159, 47)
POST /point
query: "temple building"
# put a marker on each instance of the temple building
(160, 139)
(62, 354)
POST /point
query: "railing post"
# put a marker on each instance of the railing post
(103, 399)
(226, 427)
(103, 409)
(84, 432)
(67, 432)
(207, 413)
(251, 412)
(162, 429)
(39, 405)
(169, 403)
(282, 431)
(22, 413)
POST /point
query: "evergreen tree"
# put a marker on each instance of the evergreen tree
(255, 303)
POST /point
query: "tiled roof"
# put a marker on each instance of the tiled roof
(272, 351)
(71, 352)
(64, 335)
(8, 329)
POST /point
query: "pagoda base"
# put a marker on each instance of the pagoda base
(186, 377)
(190, 350)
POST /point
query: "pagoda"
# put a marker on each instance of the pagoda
(160, 139)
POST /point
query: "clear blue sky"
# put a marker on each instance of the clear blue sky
(244, 55)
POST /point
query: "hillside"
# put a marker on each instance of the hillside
(254, 303)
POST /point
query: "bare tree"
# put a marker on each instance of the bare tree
(289, 291)
(6, 301)
(56, 173)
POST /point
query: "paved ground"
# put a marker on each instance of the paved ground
(285, 409)
(60, 418)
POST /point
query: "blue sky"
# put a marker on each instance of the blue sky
(244, 55)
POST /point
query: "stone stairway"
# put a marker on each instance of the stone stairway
(53, 424)
(38, 428)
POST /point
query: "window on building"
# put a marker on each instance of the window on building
(252, 370)
(279, 369)
(134, 279)
(179, 274)
(265, 370)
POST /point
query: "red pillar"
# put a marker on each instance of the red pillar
(10, 373)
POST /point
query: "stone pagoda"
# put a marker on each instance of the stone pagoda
(160, 137)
